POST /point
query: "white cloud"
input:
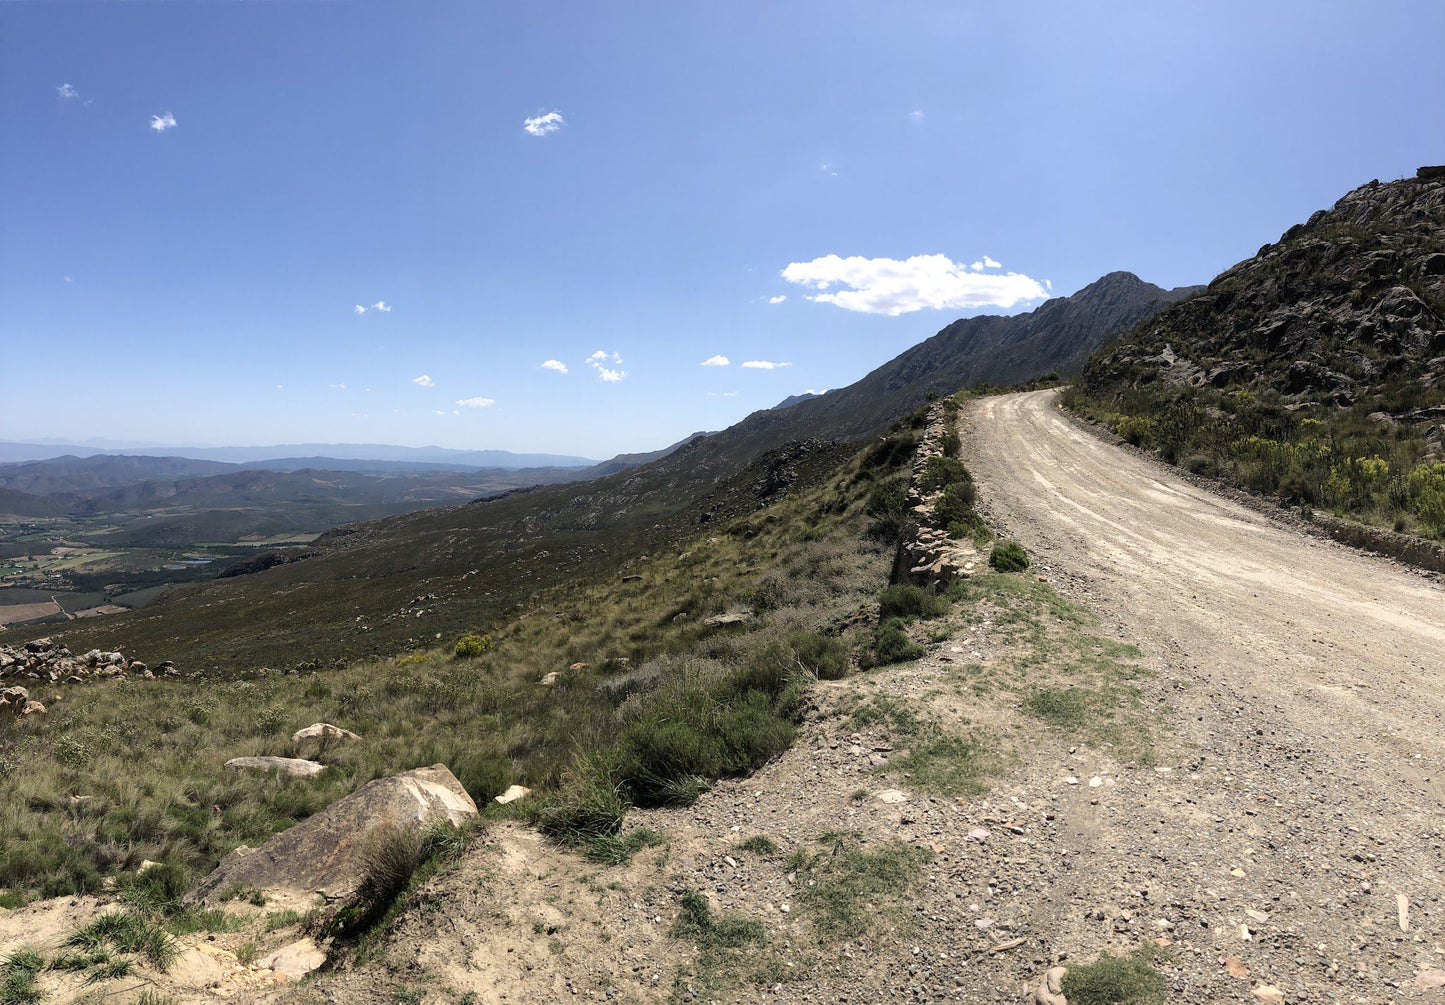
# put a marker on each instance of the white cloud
(544, 124)
(442, 411)
(722, 394)
(607, 374)
(778, 299)
(763, 364)
(554, 364)
(383, 306)
(985, 263)
(477, 402)
(828, 170)
(424, 381)
(716, 361)
(338, 387)
(70, 279)
(358, 309)
(160, 123)
(916, 115)
(893, 287)
(67, 92)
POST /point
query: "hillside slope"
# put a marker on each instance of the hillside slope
(372, 589)
(1312, 371)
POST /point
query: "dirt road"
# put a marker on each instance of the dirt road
(1311, 676)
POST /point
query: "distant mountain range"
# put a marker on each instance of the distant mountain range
(282, 456)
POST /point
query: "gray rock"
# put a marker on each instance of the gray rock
(325, 854)
(286, 765)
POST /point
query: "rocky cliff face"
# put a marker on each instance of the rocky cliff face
(1345, 308)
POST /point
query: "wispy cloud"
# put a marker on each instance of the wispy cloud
(476, 402)
(893, 287)
(444, 411)
(607, 374)
(829, 170)
(916, 115)
(338, 387)
(716, 361)
(160, 123)
(380, 305)
(722, 394)
(424, 381)
(985, 263)
(763, 364)
(358, 309)
(554, 364)
(542, 125)
(66, 92)
(778, 299)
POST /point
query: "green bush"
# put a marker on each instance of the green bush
(941, 471)
(956, 503)
(823, 656)
(472, 645)
(1008, 556)
(891, 644)
(952, 445)
(889, 452)
(902, 601)
(887, 507)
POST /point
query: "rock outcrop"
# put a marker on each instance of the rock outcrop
(45, 660)
(325, 854)
(1345, 307)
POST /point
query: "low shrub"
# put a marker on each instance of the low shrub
(472, 645)
(903, 601)
(952, 445)
(389, 862)
(889, 452)
(887, 509)
(822, 656)
(1008, 556)
(956, 503)
(891, 644)
(941, 471)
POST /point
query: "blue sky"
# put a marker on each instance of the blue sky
(199, 281)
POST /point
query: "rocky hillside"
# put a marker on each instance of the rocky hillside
(1057, 337)
(1344, 308)
(1311, 372)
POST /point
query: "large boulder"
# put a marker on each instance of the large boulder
(325, 854)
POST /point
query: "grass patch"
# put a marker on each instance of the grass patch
(759, 844)
(19, 977)
(848, 887)
(695, 922)
(1117, 980)
(126, 932)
